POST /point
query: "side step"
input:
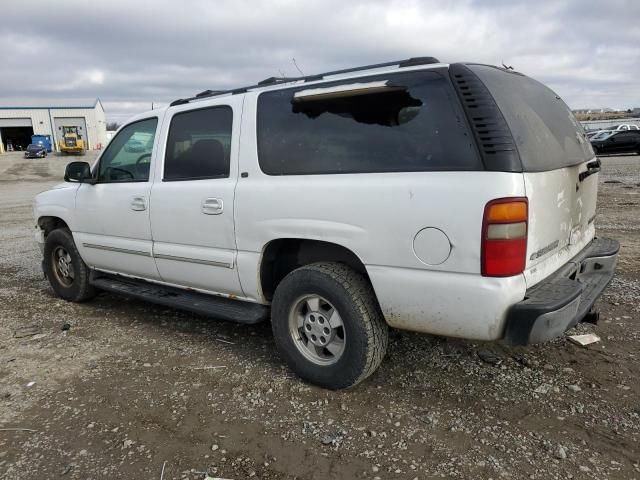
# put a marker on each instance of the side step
(208, 305)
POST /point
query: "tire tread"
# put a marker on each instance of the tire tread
(365, 303)
(85, 290)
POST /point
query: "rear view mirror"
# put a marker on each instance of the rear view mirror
(77, 172)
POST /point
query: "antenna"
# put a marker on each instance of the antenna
(297, 67)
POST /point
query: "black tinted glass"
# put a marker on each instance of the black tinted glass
(393, 123)
(199, 144)
(547, 134)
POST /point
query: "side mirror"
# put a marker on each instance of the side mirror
(77, 172)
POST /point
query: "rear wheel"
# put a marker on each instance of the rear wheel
(328, 326)
(67, 273)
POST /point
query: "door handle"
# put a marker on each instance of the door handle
(138, 204)
(212, 206)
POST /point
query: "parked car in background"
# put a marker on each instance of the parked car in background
(450, 199)
(35, 150)
(621, 141)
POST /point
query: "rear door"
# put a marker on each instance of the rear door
(192, 200)
(558, 167)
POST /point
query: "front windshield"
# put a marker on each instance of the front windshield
(602, 136)
(33, 146)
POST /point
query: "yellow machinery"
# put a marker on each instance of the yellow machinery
(71, 141)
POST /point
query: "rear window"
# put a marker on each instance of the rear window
(408, 122)
(546, 133)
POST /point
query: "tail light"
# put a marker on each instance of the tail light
(504, 237)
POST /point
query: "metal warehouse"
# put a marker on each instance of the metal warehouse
(20, 119)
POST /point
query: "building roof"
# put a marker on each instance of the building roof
(38, 103)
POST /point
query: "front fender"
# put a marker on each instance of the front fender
(57, 202)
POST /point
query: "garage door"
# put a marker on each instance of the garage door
(15, 122)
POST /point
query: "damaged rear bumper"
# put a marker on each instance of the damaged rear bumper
(565, 298)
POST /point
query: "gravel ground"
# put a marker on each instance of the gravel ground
(121, 389)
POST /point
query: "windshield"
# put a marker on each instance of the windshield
(602, 135)
(33, 146)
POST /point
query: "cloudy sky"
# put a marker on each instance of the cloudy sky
(131, 53)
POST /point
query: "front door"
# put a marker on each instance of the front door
(192, 198)
(113, 232)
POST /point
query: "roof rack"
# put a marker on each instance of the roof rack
(409, 62)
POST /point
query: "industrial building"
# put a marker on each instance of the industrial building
(20, 119)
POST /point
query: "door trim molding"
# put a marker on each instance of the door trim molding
(159, 256)
(116, 249)
(213, 263)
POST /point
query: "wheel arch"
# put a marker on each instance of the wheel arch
(49, 223)
(283, 255)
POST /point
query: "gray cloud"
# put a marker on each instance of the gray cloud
(131, 54)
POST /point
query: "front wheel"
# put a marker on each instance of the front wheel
(65, 269)
(328, 326)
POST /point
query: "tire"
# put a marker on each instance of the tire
(70, 278)
(359, 334)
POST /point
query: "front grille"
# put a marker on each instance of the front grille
(70, 142)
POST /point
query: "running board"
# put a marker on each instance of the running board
(200, 303)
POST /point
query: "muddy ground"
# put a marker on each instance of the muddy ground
(129, 387)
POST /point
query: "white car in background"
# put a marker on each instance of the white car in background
(451, 199)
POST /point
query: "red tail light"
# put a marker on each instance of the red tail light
(504, 237)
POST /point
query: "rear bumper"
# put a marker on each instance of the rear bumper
(563, 299)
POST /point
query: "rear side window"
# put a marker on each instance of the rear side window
(199, 144)
(408, 122)
(546, 133)
(626, 136)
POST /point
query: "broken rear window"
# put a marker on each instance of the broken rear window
(407, 122)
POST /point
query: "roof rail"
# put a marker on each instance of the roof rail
(409, 62)
(274, 80)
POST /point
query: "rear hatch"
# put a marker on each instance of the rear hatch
(558, 164)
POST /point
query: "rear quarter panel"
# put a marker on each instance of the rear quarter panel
(376, 216)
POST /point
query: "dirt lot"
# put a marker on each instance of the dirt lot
(128, 388)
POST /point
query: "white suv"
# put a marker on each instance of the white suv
(455, 200)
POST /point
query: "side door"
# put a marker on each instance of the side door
(192, 199)
(114, 233)
(619, 142)
(626, 141)
(609, 144)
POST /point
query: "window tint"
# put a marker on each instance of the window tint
(199, 144)
(128, 155)
(627, 136)
(392, 123)
(546, 133)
